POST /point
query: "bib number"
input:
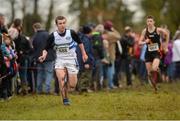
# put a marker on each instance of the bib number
(62, 49)
(153, 47)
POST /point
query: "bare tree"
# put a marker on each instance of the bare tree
(35, 7)
(12, 3)
(50, 15)
(23, 8)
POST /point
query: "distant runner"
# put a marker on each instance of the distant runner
(151, 37)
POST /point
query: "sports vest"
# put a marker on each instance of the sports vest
(155, 43)
(65, 46)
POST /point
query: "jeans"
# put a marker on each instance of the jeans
(143, 71)
(23, 71)
(110, 74)
(44, 74)
(97, 72)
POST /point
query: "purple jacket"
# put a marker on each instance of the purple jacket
(168, 57)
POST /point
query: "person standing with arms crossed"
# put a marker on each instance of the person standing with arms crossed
(64, 41)
(151, 37)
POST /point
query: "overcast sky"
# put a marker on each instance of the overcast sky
(134, 5)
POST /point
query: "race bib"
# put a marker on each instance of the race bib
(63, 49)
(153, 47)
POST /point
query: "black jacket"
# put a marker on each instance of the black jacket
(126, 43)
(22, 47)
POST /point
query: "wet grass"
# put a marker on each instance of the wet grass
(137, 102)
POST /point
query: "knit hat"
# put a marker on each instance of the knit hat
(108, 25)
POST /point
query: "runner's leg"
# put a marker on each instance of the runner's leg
(155, 68)
(61, 73)
(72, 81)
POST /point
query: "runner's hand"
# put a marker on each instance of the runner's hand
(147, 40)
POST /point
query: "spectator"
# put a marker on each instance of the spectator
(112, 36)
(85, 71)
(127, 42)
(2, 24)
(176, 57)
(98, 53)
(23, 48)
(10, 64)
(45, 68)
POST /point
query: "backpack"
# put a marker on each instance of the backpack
(97, 45)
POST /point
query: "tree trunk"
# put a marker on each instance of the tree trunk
(35, 7)
(50, 15)
(12, 2)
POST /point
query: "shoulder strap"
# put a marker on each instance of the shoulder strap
(119, 47)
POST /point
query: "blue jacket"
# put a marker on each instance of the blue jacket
(39, 41)
(88, 48)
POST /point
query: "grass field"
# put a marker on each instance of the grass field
(138, 102)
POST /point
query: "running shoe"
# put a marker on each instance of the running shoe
(66, 101)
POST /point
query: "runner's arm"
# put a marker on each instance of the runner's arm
(142, 40)
(81, 46)
(75, 37)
